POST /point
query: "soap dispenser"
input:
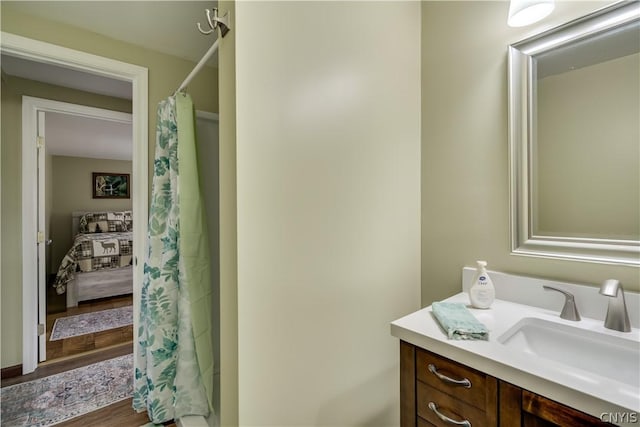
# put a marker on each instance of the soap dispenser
(482, 292)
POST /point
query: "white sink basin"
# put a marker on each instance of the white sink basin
(597, 353)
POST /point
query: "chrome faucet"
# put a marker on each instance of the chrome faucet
(569, 310)
(617, 315)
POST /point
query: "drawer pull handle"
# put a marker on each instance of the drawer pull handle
(463, 382)
(446, 419)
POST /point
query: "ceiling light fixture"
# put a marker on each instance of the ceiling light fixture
(526, 12)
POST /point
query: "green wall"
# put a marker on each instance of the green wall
(11, 242)
(165, 74)
(465, 164)
(72, 192)
(228, 227)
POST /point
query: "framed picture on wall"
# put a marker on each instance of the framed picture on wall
(111, 185)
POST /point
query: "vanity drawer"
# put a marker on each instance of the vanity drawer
(446, 405)
(438, 372)
(423, 423)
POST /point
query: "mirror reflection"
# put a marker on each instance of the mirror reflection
(575, 139)
(586, 154)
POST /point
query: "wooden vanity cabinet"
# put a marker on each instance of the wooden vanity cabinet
(433, 387)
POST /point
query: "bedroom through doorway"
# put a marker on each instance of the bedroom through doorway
(85, 210)
(55, 83)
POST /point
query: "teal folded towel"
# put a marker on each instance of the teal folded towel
(458, 322)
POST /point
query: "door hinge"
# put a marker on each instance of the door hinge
(40, 236)
(40, 141)
(41, 330)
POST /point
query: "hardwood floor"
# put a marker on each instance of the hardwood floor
(118, 414)
(84, 343)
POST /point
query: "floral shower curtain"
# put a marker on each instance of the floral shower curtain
(174, 366)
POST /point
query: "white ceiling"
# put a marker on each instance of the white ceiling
(76, 136)
(65, 77)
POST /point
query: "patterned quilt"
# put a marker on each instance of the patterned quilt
(106, 222)
(92, 252)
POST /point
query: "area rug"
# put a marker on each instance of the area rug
(88, 323)
(50, 400)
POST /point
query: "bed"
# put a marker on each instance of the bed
(99, 262)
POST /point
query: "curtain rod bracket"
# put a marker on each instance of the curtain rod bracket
(223, 22)
(216, 21)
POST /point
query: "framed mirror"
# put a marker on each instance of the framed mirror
(574, 134)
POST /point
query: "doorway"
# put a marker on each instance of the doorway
(73, 142)
(77, 61)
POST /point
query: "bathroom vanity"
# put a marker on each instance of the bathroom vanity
(536, 369)
(431, 393)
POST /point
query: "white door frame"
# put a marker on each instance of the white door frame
(32, 127)
(41, 221)
(39, 51)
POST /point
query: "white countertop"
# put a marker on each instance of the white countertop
(577, 388)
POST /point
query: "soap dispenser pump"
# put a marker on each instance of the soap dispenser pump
(482, 292)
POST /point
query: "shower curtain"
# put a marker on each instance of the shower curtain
(173, 374)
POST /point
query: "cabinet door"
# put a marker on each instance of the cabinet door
(541, 412)
(510, 404)
(522, 408)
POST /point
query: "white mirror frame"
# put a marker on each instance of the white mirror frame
(522, 76)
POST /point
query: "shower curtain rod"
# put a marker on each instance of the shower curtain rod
(199, 66)
(215, 22)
